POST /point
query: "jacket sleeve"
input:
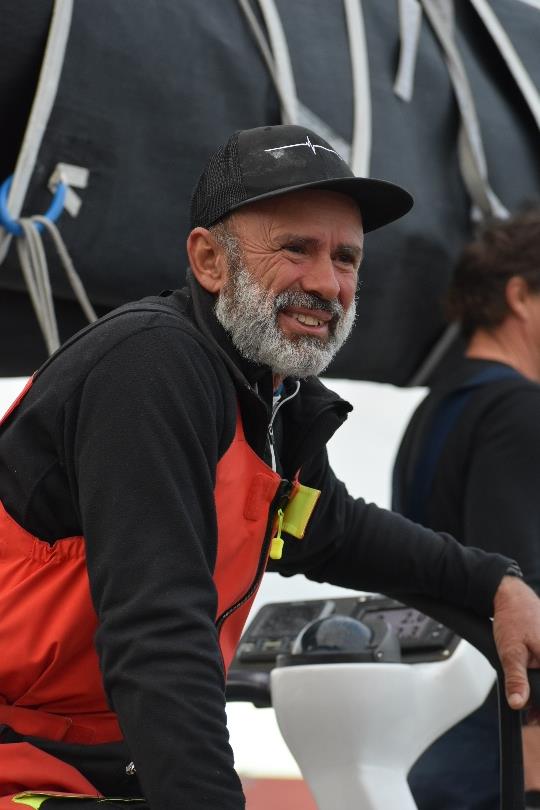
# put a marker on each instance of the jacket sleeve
(144, 434)
(361, 546)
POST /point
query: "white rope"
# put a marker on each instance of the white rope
(267, 55)
(361, 139)
(260, 38)
(69, 268)
(28, 275)
(508, 52)
(47, 87)
(35, 272)
(410, 24)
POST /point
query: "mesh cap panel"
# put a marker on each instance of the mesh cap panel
(220, 187)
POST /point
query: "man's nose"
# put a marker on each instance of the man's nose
(321, 278)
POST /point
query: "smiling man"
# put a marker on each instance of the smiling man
(147, 478)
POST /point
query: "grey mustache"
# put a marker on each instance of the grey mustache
(295, 298)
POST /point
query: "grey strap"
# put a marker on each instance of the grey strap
(47, 87)
(410, 23)
(471, 152)
(35, 271)
(531, 95)
(361, 141)
(516, 67)
(282, 61)
(291, 107)
(423, 373)
(69, 268)
(287, 106)
(284, 78)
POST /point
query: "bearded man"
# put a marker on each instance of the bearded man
(146, 477)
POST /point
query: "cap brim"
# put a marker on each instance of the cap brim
(380, 202)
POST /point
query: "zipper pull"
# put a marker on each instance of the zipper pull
(271, 446)
(276, 549)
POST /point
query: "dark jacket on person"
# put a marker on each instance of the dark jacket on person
(468, 464)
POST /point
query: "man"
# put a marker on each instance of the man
(469, 465)
(156, 456)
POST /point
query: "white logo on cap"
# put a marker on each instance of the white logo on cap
(307, 142)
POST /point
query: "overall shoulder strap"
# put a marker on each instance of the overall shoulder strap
(139, 306)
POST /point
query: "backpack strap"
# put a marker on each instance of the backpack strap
(412, 503)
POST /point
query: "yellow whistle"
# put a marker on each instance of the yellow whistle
(276, 549)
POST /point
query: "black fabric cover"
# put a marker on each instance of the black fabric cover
(149, 92)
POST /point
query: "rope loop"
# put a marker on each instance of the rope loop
(12, 225)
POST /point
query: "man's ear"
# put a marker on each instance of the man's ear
(206, 259)
(517, 296)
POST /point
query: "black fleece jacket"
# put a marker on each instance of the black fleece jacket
(118, 440)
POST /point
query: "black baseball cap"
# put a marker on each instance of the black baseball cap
(264, 162)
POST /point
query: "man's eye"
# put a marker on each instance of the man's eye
(346, 258)
(294, 248)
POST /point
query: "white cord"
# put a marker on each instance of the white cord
(35, 272)
(361, 139)
(304, 115)
(471, 151)
(508, 52)
(47, 87)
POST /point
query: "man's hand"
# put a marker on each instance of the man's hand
(516, 629)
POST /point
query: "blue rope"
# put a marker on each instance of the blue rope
(12, 226)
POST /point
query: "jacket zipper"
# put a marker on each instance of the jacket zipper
(271, 424)
(279, 501)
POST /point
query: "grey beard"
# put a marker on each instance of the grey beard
(249, 313)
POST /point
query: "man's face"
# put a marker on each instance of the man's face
(292, 267)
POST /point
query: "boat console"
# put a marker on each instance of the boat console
(362, 685)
